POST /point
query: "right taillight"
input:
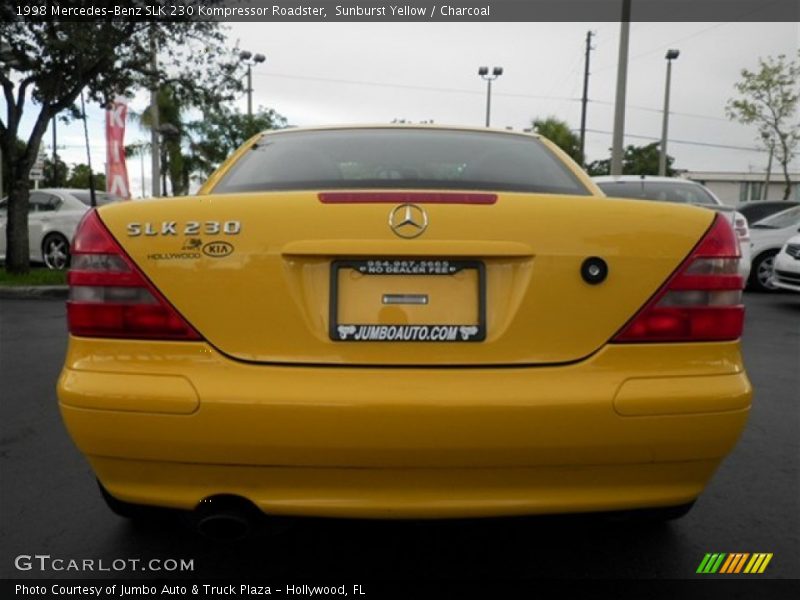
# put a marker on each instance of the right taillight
(110, 297)
(702, 300)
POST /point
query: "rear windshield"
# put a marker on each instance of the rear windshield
(399, 158)
(661, 191)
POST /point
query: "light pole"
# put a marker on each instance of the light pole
(672, 54)
(484, 73)
(250, 59)
(618, 137)
(155, 155)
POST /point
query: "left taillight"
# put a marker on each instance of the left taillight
(110, 297)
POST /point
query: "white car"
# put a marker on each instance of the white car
(786, 271)
(53, 215)
(682, 191)
(767, 238)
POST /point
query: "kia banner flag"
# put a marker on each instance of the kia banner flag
(116, 170)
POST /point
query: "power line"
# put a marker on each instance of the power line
(688, 142)
(742, 18)
(661, 47)
(573, 70)
(413, 87)
(661, 110)
(475, 92)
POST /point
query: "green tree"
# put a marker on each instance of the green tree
(768, 98)
(55, 177)
(171, 112)
(558, 132)
(219, 133)
(79, 178)
(636, 160)
(51, 62)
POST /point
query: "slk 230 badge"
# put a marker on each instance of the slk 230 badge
(189, 228)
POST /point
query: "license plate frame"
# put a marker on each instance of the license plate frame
(407, 333)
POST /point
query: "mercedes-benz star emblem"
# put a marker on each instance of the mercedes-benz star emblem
(408, 220)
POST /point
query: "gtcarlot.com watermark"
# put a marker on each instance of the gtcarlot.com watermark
(48, 563)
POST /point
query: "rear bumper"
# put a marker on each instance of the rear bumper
(413, 492)
(634, 426)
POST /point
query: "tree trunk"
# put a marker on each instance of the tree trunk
(765, 195)
(787, 191)
(18, 256)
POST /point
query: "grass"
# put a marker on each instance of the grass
(36, 276)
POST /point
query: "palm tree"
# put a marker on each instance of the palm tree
(174, 164)
(558, 132)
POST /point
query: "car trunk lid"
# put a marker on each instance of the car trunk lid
(273, 277)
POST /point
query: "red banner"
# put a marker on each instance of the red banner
(116, 170)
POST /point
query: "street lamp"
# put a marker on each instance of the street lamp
(672, 54)
(484, 73)
(250, 59)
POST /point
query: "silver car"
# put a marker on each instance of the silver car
(52, 218)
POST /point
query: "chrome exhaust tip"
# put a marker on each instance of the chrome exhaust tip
(226, 518)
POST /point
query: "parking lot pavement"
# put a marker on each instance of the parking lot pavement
(49, 503)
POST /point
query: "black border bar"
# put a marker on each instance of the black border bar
(403, 11)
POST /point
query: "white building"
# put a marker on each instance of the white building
(733, 188)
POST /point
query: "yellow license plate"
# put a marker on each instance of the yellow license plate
(408, 300)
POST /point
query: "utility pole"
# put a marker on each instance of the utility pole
(155, 155)
(55, 156)
(662, 155)
(92, 195)
(585, 99)
(619, 101)
(249, 90)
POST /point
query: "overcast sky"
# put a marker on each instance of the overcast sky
(323, 73)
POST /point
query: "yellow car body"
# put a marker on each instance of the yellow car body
(544, 415)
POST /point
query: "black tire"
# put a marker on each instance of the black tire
(55, 251)
(762, 269)
(127, 510)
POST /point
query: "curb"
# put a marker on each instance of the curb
(40, 292)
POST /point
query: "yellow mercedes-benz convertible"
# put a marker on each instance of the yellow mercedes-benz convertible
(398, 322)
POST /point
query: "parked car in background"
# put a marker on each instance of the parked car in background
(755, 211)
(680, 191)
(767, 238)
(53, 215)
(786, 271)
